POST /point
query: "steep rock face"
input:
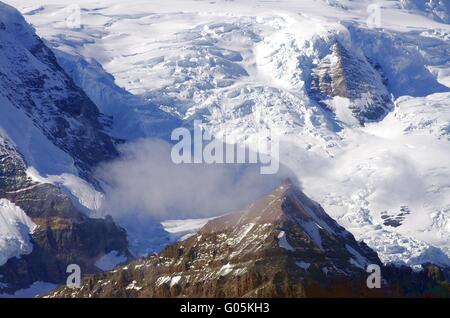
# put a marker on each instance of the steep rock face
(283, 245)
(343, 74)
(32, 81)
(12, 168)
(48, 123)
(58, 242)
(63, 235)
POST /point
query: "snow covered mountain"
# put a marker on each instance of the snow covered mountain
(51, 137)
(355, 81)
(33, 84)
(436, 9)
(246, 68)
(363, 109)
(15, 227)
(42, 231)
(283, 245)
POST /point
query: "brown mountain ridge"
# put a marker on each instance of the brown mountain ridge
(282, 245)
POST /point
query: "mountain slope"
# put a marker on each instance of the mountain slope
(33, 82)
(280, 246)
(283, 245)
(42, 231)
(353, 78)
(49, 129)
(244, 68)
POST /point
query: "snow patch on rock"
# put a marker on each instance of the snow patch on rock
(15, 230)
(111, 260)
(283, 243)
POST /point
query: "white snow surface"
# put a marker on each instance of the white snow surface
(226, 269)
(183, 229)
(438, 10)
(37, 288)
(243, 66)
(303, 265)
(283, 243)
(174, 280)
(184, 226)
(109, 261)
(15, 230)
(82, 193)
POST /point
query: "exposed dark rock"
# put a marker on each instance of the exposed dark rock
(344, 74)
(12, 168)
(395, 220)
(64, 234)
(58, 242)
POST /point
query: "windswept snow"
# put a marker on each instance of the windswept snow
(109, 261)
(283, 243)
(37, 288)
(303, 265)
(341, 106)
(15, 230)
(184, 226)
(182, 229)
(82, 193)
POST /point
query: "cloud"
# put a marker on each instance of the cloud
(399, 180)
(144, 182)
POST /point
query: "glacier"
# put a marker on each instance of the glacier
(246, 67)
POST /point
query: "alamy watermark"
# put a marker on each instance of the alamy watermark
(74, 279)
(374, 279)
(201, 147)
(373, 21)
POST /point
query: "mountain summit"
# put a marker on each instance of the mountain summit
(282, 245)
(353, 78)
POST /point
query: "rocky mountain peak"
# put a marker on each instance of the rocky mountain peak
(268, 248)
(285, 202)
(346, 74)
(265, 210)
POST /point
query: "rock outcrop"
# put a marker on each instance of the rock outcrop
(344, 74)
(63, 236)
